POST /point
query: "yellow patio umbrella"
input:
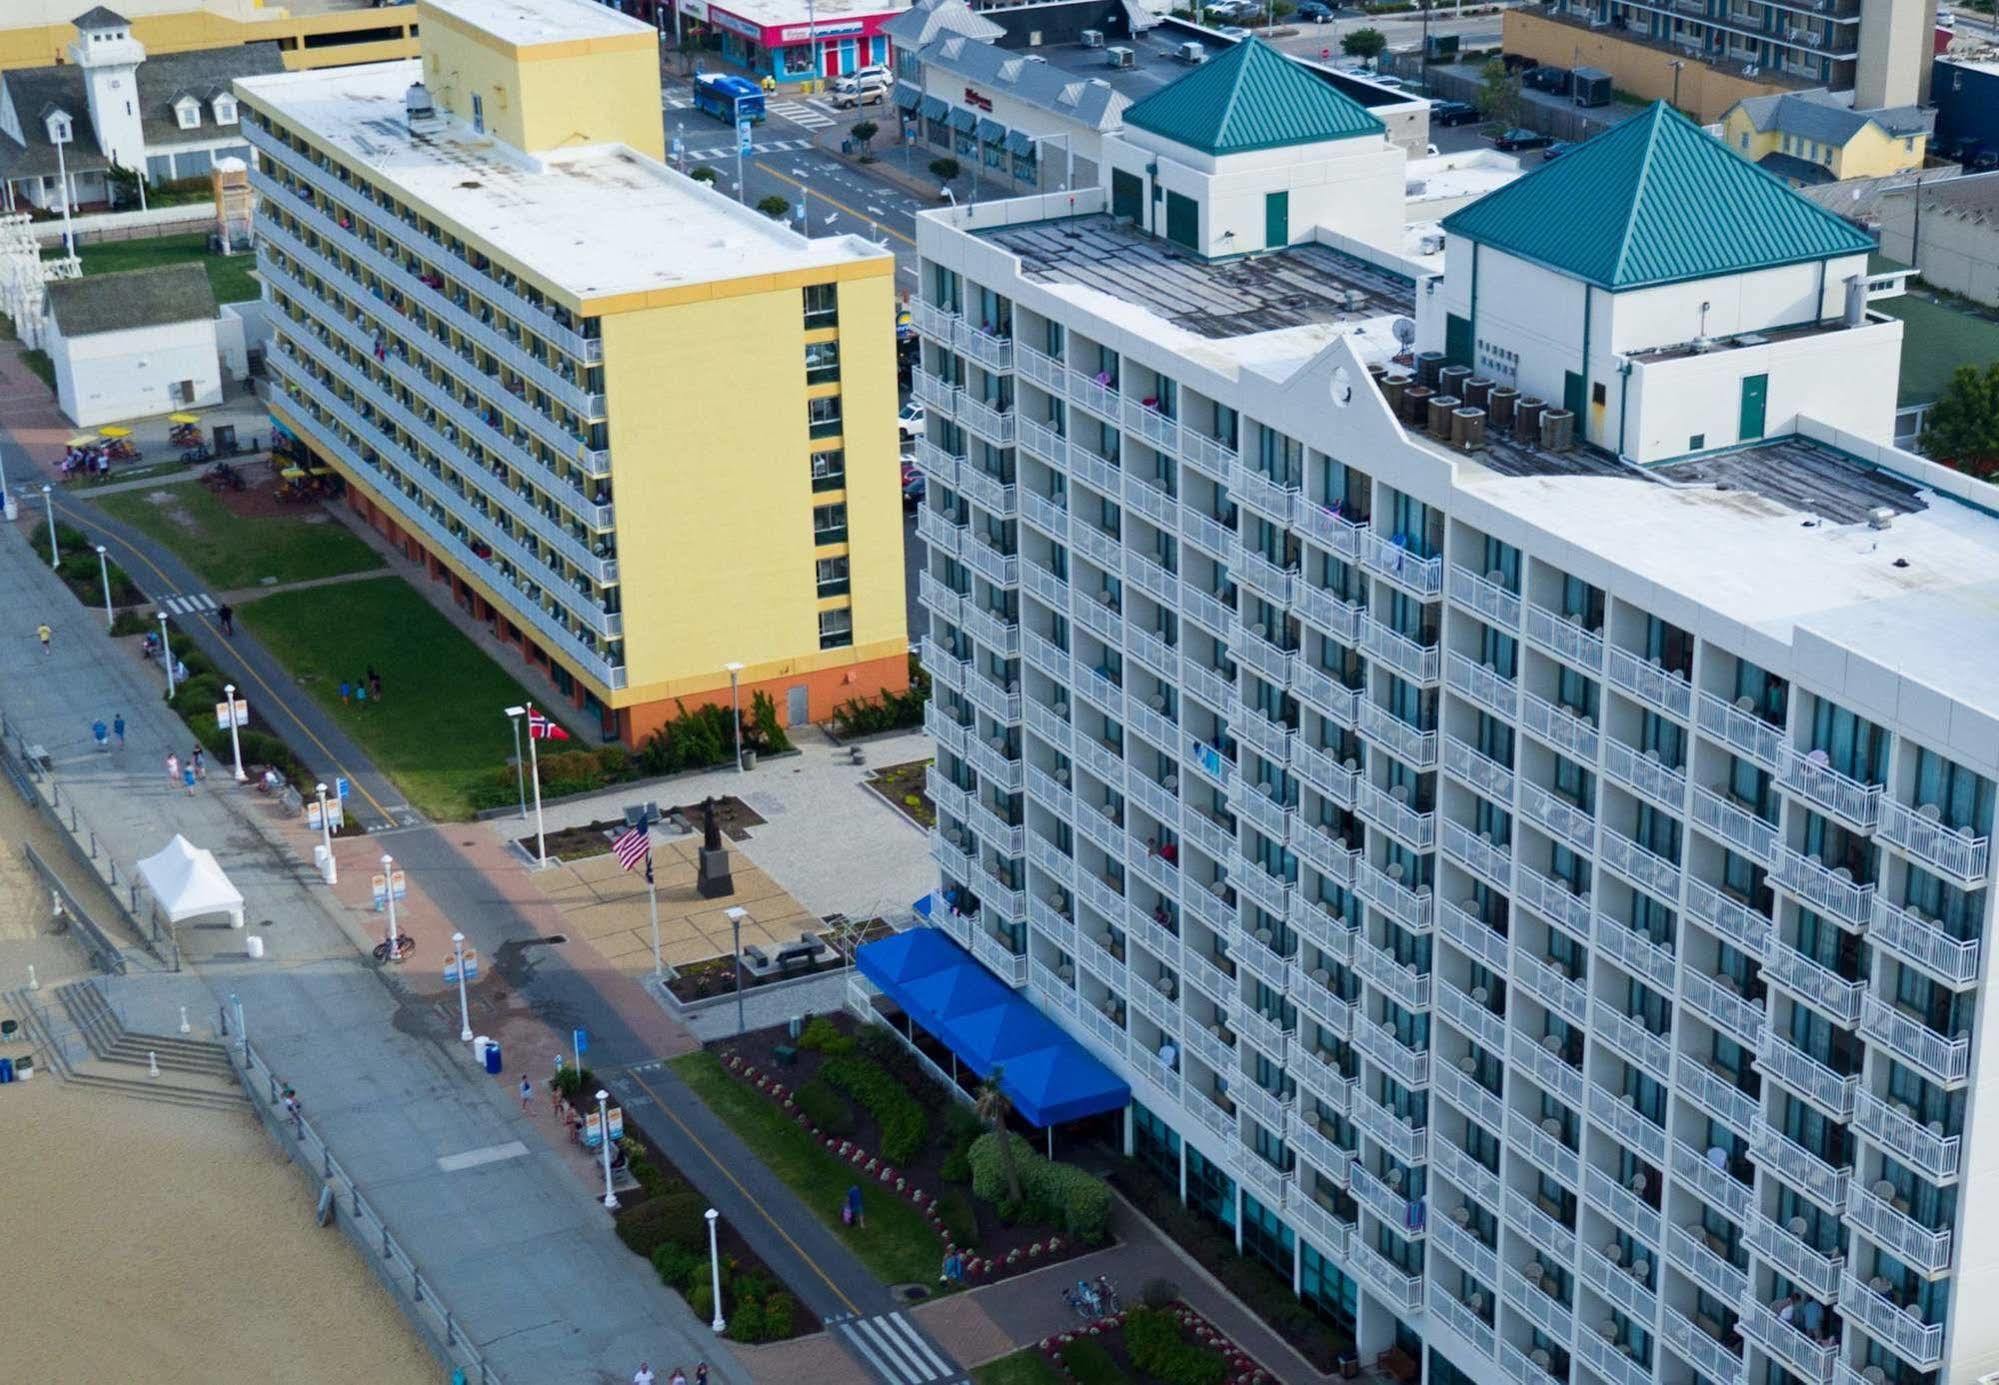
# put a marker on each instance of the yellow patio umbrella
(81, 440)
(112, 430)
(182, 418)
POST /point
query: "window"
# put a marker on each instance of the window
(1597, 396)
(829, 470)
(829, 524)
(822, 416)
(832, 576)
(836, 628)
(822, 362)
(1696, 442)
(478, 113)
(225, 110)
(187, 111)
(822, 305)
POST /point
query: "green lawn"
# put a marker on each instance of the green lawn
(1027, 1367)
(39, 362)
(1936, 340)
(439, 726)
(230, 551)
(229, 274)
(897, 1244)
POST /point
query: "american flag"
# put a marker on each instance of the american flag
(632, 848)
(542, 728)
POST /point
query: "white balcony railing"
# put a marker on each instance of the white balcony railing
(1914, 1043)
(1922, 1248)
(1830, 791)
(1921, 834)
(1923, 1147)
(1743, 731)
(1912, 936)
(1565, 638)
(1735, 826)
(1901, 1328)
(1830, 890)
(1661, 688)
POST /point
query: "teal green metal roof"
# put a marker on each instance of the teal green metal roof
(1251, 97)
(1655, 200)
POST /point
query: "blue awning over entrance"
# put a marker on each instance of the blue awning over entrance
(1048, 1076)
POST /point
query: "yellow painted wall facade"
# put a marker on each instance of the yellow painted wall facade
(42, 45)
(711, 472)
(551, 95)
(1871, 153)
(1645, 72)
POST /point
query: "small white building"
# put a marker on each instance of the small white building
(134, 344)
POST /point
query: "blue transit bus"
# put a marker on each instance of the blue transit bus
(728, 98)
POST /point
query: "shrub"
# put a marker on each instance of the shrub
(671, 1219)
(701, 1301)
(1153, 1339)
(779, 1310)
(947, 169)
(957, 1167)
(748, 1323)
(704, 174)
(1090, 1364)
(569, 1081)
(773, 206)
(960, 1218)
(1062, 1193)
(892, 711)
(764, 729)
(825, 1108)
(129, 623)
(821, 1035)
(677, 1265)
(1158, 1293)
(904, 1127)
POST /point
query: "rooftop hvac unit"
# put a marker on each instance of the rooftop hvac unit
(1558, 430)
(1119, 57)
(1429, 367)
(1416, 404)
(1393, 385)
(1093, 38)
(1451, 379)
(1438, 421)
(1880, 517)
(1191, 53)
(1477, 391)
(1468, 428)
(1500, 406)
(1527, 419)
(1432, 244)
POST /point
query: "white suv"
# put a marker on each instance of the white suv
(868, 87)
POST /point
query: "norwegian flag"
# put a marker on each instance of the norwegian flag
(542, 728)
(632, 848)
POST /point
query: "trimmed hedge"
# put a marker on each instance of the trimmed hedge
(1053, 1192)
(672, 1218)
(1157, 1348)
(905, 1129)
(1089, 1363)
(821, 1035)
(827, 1108)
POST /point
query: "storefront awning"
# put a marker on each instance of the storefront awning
(1048, 1076)
(907, 96)
(934, 108)
(1019, 142)
(962, 119)
(991, 132)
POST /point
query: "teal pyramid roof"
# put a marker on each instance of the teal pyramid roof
(1251, 97)
(1654, 200)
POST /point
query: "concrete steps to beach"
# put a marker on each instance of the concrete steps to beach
(194, 1073)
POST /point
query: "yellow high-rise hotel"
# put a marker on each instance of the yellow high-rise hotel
(645, 432)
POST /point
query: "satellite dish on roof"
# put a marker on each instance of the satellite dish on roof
(1405, 331)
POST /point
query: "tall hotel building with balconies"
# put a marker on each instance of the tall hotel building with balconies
(612, 407)
(1531, 864)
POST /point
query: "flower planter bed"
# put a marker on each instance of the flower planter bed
(716, 976)
(1104, 1351)
(934, 1177)
(902, 788)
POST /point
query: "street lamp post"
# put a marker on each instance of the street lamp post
(104, 571)
(235, 740)
(166, 651)
(326, 834)
(464, 1011)
(736, 917)
(514, 715)
(49, 504)
(63, 188)
(604, 1133)
(715, 1269)
(389, 895)
(736, 709)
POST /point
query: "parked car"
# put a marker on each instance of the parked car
(1314, 10)
(868, 87)
(1233, 31)
(1556, 150)
(1453, 113)
(913, 486)
(1517, 139)
(1549, 79)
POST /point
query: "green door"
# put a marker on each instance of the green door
(1755, 396)
(1572, 393)
(1276, 220)
(1127, 196)
(1183, 220)
(1457, 339)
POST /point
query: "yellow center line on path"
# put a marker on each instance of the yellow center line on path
(67, 511)
(879, 223)
(817, 1269)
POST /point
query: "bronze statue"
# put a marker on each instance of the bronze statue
(711, 835)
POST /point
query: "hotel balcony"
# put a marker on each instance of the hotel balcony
(1716, 1000)
(1829, 890)
(1471, 1016)
(1616, 1361)
(1462, 1320)
(1621, 1116)
(1402, 1291)
(1333, 532)
(1874, 1212)
(1480, 855)
(1730, 918)
(1475, 1178)
(1659, 688)
(1909, 1040)
(1409, 1066)
(1482, 772)
(1802, 1169)
(1689, 1249)
(1386, 558)
(1543, 1146)
(1717, 1094)
(1641, 866)
(1411, 908)
(1636, 1044)
(1467, 931)
(1741, 730)
(1809, 1360)
(1923, 1147)
(1456, 1240)
(1646, 775)
(1469, 1094)
(1557, 817)
(1565, 639)
(1408, 743)
(1569, 731)
(1621, 1204)
(1484, 596)
(1734, 826)
(1569, 998)
(1531, 1290)
(1820, 986)
(1818, 1271)
(1483, 685)
(1918, 1342)
(1810, 1078)
(1542, 1060)
(1911, 936)
(1921, 835)
(1825, 788)
(1419, 663)
(1524, 1215)
(1718, 1360)
(1553, 900)
(1718, 1186)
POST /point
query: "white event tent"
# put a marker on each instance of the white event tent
(187, 883)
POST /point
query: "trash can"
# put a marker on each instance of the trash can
(254, 945)
(492, 1056)
(6, 1070)
(479, 1047)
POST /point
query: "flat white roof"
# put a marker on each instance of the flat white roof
(527, 22)
(592, 221)
(774, 14)
(1470, 174)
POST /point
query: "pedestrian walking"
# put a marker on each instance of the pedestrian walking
(173, 768)
(101, 734)
(187, 778)
(44, 634)
(701, 1374)
(294, 1112)
(200, 763)
(679, 1377)
(527, 1093)
(361, 694)
(346, 692)
(227, 616)
(374, 683)
(118, 729)
(644, 1375)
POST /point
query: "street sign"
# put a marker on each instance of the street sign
(471, 967)
(395, 881)
(340, 789)
(743, 128)
(336, 815)
(581, 1042)
(222, 710)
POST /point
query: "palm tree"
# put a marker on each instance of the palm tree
(993, 1109)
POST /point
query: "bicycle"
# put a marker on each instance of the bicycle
(1083, 1302)
(405, 946)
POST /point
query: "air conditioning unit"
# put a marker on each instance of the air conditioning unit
(1120, 57)
(1093, 38)
(1191, 53)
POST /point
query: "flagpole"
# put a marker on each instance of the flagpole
(652, 902)
(534, 761)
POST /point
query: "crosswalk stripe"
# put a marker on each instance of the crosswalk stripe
(908, 1329)
(202, 601)
(867, 1352)
(907, 1366)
